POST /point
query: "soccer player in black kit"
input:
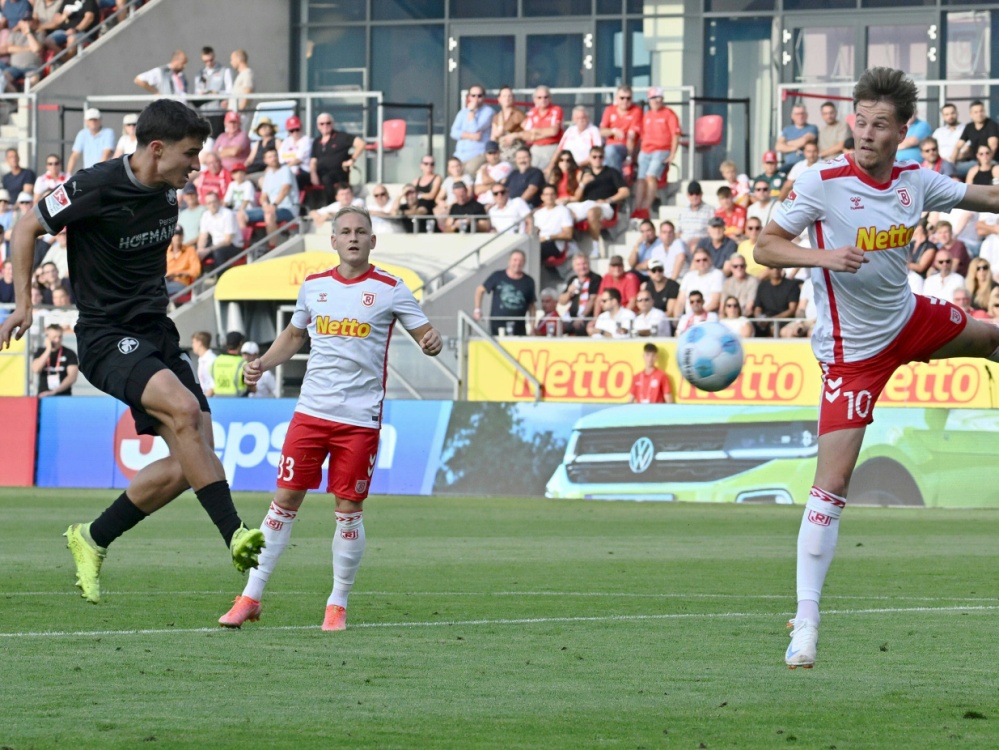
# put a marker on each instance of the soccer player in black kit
(120, 215)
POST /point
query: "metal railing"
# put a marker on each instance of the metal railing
(467, 322)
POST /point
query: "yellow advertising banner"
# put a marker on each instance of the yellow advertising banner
(781, 373)
(13, 368)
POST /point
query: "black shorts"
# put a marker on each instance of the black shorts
(120, 361)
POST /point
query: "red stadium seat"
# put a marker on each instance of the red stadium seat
(393, 136)
(708, 132)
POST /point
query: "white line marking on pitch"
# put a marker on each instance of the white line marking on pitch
(520, 621)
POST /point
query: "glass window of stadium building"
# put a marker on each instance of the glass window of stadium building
(746, 60)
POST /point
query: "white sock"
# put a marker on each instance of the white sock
(816, 547)
(348, 548)
(277, 533)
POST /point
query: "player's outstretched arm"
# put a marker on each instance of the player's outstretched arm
(428, 338)
(776, 249)
(22, 252)
(285, 346)
(981, 198)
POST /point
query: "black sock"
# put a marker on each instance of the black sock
(216, 499)
(117, 518)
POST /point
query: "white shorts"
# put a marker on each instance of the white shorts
(581, 209)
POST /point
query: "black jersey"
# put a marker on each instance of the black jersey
(118, 233)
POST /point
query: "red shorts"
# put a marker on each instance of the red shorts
(309, 440)
(850, 389)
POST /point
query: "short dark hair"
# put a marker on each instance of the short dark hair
(170, 121)
(724, 192)
(976, 103)
(597, 150)
(207, 51)
(650, 347)
(234, 340)
(672, 225)
(693, 292)
(646, 221)
(882, 84)
(204, 337)
(613, 293)
(54, 326)
(827, 104)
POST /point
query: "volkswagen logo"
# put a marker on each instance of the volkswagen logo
(642, 453)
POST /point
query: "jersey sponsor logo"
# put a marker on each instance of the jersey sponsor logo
(163, 234)
(348, 327)
(856, 203)
(127, 345)
(903, 196)
(368, 299)
(872, 238)
(57, 200)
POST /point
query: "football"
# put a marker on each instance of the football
(710, 356)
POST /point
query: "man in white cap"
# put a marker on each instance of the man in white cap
(93, 143)
(266, 387)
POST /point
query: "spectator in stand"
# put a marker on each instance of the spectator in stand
(676, 255)
(695, 216)
(660, 141)
(295, 150)
(241, 195)
(930, 151)
(408, 207)
(614, 320)
(985, 172)
(649, 320)
(647, 242)
(776, 297)
(740, 284)
(505, 213)
(981, 131)
(697, 314)
(745, 250)
(48, 17)
(737, 183)
(334, 154)
(921, 250)
(344, 197)
(471, 128)
(266, 138)
(190, 214)
(664, 291)
(24, 203)
(213, 178)
(601, 189)
(706, 279)
(18, 179)
(56, 365)
(543, 127)
(6, 221)
(213, 79)
(848, 146)
(579, 138)
(651, 386)
(232, 144)
(564, 175)
(581, 292)
(58, 256)
(980, 283)
(949, 132)
(127, 143)
(805, 315)
(550, 323)
(75, 24)
(994, 307)
(49, 279)
(833, 133)
(943, 283)
(278, 195)
(763, 205)
(266, 386)
(771, 175)
(625, 284)
(811, 151)
(51, 178)
(183, 265)
(732, 216)
(242, 83)
(962, 299)
(379, 206)
(525, 182)
(427, 184)
(7, 283)
(220, 239)
(93, 143)
(718, 246)
(455, 173)
(792, 139)
(513, 297)
(491, 173)
(908, 149)
(508, 125)
(956, 249)
(553, 224)
(621, 128)
(15, 11)
(733, 319)
(463, 210)
(25, 56)
(167, 80)
(201, 345)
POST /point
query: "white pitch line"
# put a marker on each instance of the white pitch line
(519, 621)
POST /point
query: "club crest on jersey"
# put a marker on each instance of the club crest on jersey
(171, 196)
(955, 316)
(57, 200)
(360, 486)
(367, 299)
(128, 345)
(903, 196)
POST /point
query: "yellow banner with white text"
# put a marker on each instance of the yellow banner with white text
(775, 372)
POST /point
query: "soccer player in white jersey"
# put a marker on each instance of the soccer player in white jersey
(860, 212)
(348, 312)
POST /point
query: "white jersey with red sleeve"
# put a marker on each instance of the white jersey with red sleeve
(350, 322)
(860, 314)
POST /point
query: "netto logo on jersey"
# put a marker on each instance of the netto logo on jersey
(350, 327)
(872, 238)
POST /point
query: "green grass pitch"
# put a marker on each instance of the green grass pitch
(502, 623)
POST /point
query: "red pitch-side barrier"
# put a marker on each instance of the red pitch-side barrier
(17, 441)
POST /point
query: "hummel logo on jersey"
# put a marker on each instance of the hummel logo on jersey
(350, 327)
(872, 238)
(856, 201)
(371, 464)
(128, 345)
(368, 299)
(322, 297)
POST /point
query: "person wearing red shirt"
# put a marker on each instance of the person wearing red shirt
(616, 278)
(214, 178)
(621, 127)
(660, 140)
(651, 385)
(734, 216)
(543, 128)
